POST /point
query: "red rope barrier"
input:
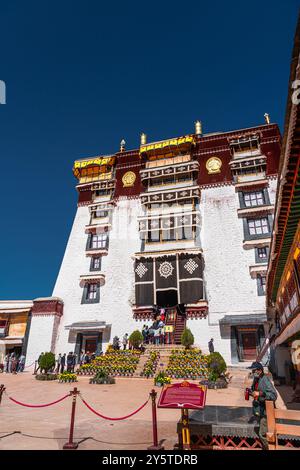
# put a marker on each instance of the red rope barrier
(38, 406)
(26, 367)
(113, 419)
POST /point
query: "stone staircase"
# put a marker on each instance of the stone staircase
(164, 350)
(143, 359)
(178, 322)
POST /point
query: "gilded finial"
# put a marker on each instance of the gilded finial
(122, 145)
(267, 118)
(143, 138)
(198, 128)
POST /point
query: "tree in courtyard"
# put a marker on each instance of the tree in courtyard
(216, 366)
(136, 339)
(47, 362)
(187, 338)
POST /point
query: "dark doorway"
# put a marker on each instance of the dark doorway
(249, 345)
(91, 345)
(166, 298)
(16, 349)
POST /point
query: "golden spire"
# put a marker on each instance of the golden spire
(143, 138)
(267, 118)
(198, 128)
(122, 145)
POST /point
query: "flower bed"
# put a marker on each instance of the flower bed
(188, 364)
(67, 377)
(151, 365)
(115, 363)
(161, 379)
(102, 378)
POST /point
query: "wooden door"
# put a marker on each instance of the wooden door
(249, 346)
(91, 345)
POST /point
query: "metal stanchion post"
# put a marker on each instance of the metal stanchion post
(2, 388)
(156, 445)
(72, 445)
(35, 364)
(186, 435)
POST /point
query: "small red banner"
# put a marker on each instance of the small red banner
(183, 395)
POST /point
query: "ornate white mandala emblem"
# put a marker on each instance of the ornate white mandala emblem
(141, 270)
(191, 266)
(165, 269)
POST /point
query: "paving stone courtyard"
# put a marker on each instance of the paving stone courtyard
(48, 428)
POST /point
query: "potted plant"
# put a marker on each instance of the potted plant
(187, 338)
(47, 364)
(136, 339)
(217, 377)
(161, 379)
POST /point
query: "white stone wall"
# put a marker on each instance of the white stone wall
(272, 189)
(229, 288)
(40, 337)
(115, 296)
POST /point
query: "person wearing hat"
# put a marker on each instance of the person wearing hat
(262, 389)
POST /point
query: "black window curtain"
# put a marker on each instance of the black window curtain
(183, 273)
(144, 282)
(166, 273)
(190, 278)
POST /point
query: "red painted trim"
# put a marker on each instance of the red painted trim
(47, 307)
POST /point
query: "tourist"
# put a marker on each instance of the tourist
(81, 360)
(93, 356)
(39, 362)
(62, 363)
(161, 327)
(21, 364)
(87, 358)
(211, 347)
(69, 362)
(14, 363)
(125, 341)
(58, 363)
(151, 332)
(157, 334)
(74, 362)
(261, 390)
(162, 313)
(145, 332)
(6, 363)
(116, 343)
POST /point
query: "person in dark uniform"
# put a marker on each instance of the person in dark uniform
(62, 363)
(211, 346)
(69, 362)
(262, 389)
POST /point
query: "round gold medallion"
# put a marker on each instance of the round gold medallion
(213, 165)
(128, 179)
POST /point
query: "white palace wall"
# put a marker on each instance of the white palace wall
(230, 290)
(229, 287)
(116, 295)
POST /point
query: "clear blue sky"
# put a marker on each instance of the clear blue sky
(81, 75)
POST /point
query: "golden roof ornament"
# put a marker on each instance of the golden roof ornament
(128, 179)
(122, 145)
(267, 118)
(143, 138)
(198, 128)
(213, 165)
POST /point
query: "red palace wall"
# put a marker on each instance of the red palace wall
(206, 147)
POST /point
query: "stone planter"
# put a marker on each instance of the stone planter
(217, 385)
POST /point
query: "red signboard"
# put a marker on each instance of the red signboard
(183, 395)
